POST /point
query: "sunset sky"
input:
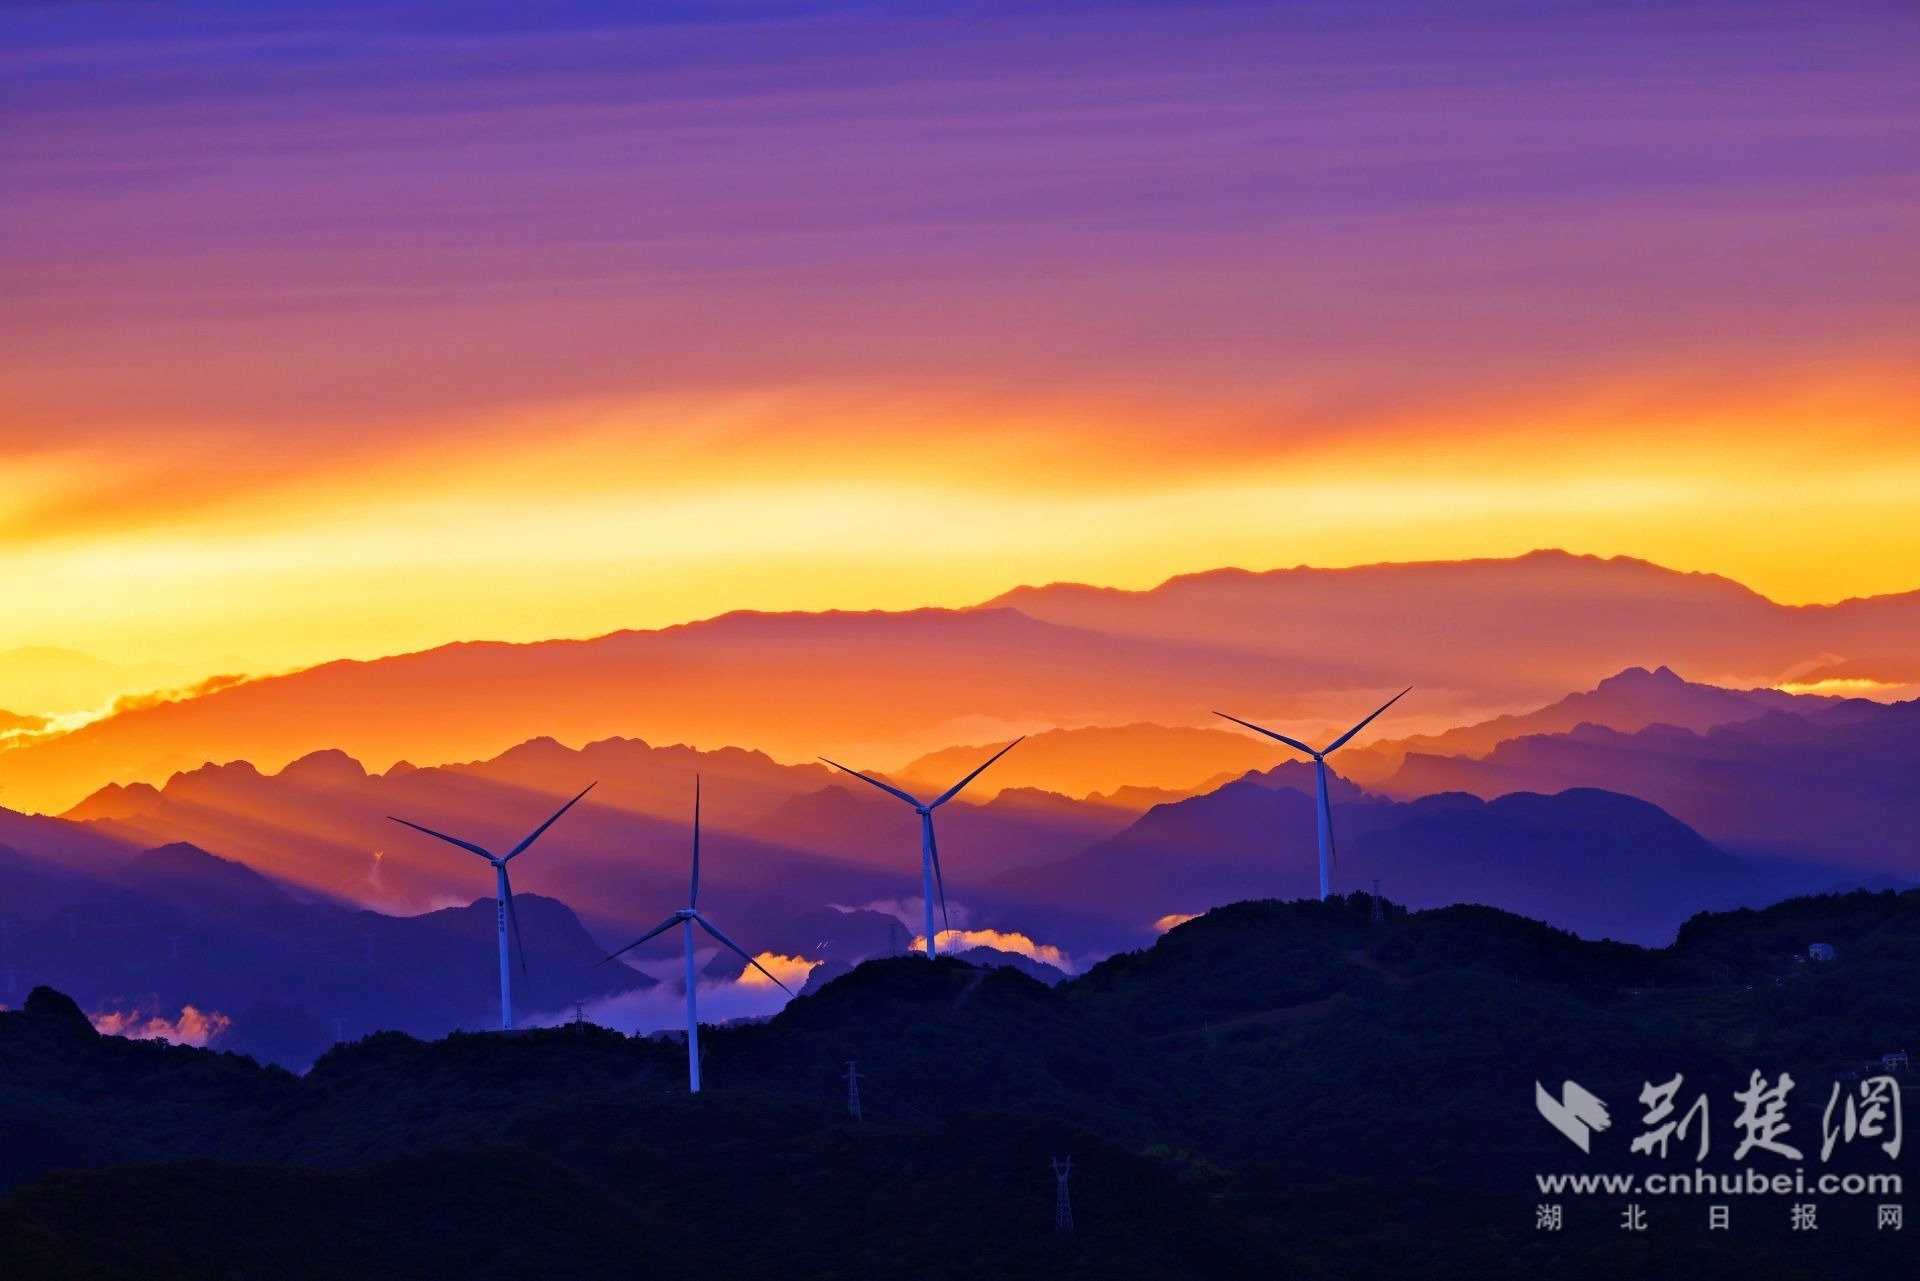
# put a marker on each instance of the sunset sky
(348, 329)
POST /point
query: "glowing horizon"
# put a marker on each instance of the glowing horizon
(378, 336)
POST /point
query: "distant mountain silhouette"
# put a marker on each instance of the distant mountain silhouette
(178, 926)
(1628, 701)
(1839, 785)
(33, 889)
(1547, 619)
(782, 839)
(984, 957)
(794, 684)
(991, 956)
(1106, 759)
(1309, 646)
(117, 801)
(1016, 828)
(1601, 864)
(77, 847)
(188, 876)
(1138, 800)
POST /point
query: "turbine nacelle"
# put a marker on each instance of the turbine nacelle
(1318, 754)
(503, 891)
(1319, 757)
(931, 879)
(687, 917)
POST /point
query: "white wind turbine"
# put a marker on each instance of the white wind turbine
(686, 918)
(1320, 766)
(503, 895)
(930, 878)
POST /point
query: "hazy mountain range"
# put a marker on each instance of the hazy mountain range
(1839, 784)
(1085, 873)
(792, 857)
(1513, 631)
(780, 838)
(176, 934)
(263, 881)
(1598, 863)
(1317, 648)
(1627, 701)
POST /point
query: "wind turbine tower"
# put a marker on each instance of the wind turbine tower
(687, 917)
(930, 878)
(853, 1089)
(1319, 756)
(502, 897)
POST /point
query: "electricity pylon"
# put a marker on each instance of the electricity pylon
(853, 1089)
(1062, 1201)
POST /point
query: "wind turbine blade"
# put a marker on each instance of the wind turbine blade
(451, 840)
(535, 834)
(710, 928)
(1290, 742)
(954, 791)
(693, 894)
(1338, 743)
(885, 787)
(661, 928)
(513, 918)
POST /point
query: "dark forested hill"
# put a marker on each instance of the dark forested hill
(1273, 1088)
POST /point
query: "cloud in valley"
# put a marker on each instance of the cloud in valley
(193, 1026)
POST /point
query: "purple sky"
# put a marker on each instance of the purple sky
(323, 326)
(228, 212)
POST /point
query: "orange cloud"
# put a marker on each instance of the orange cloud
(153, 698)
(791, 970)
(961, 940)
(1172, 919)
(1851, 687)
(193, 1027)
(66, 722)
